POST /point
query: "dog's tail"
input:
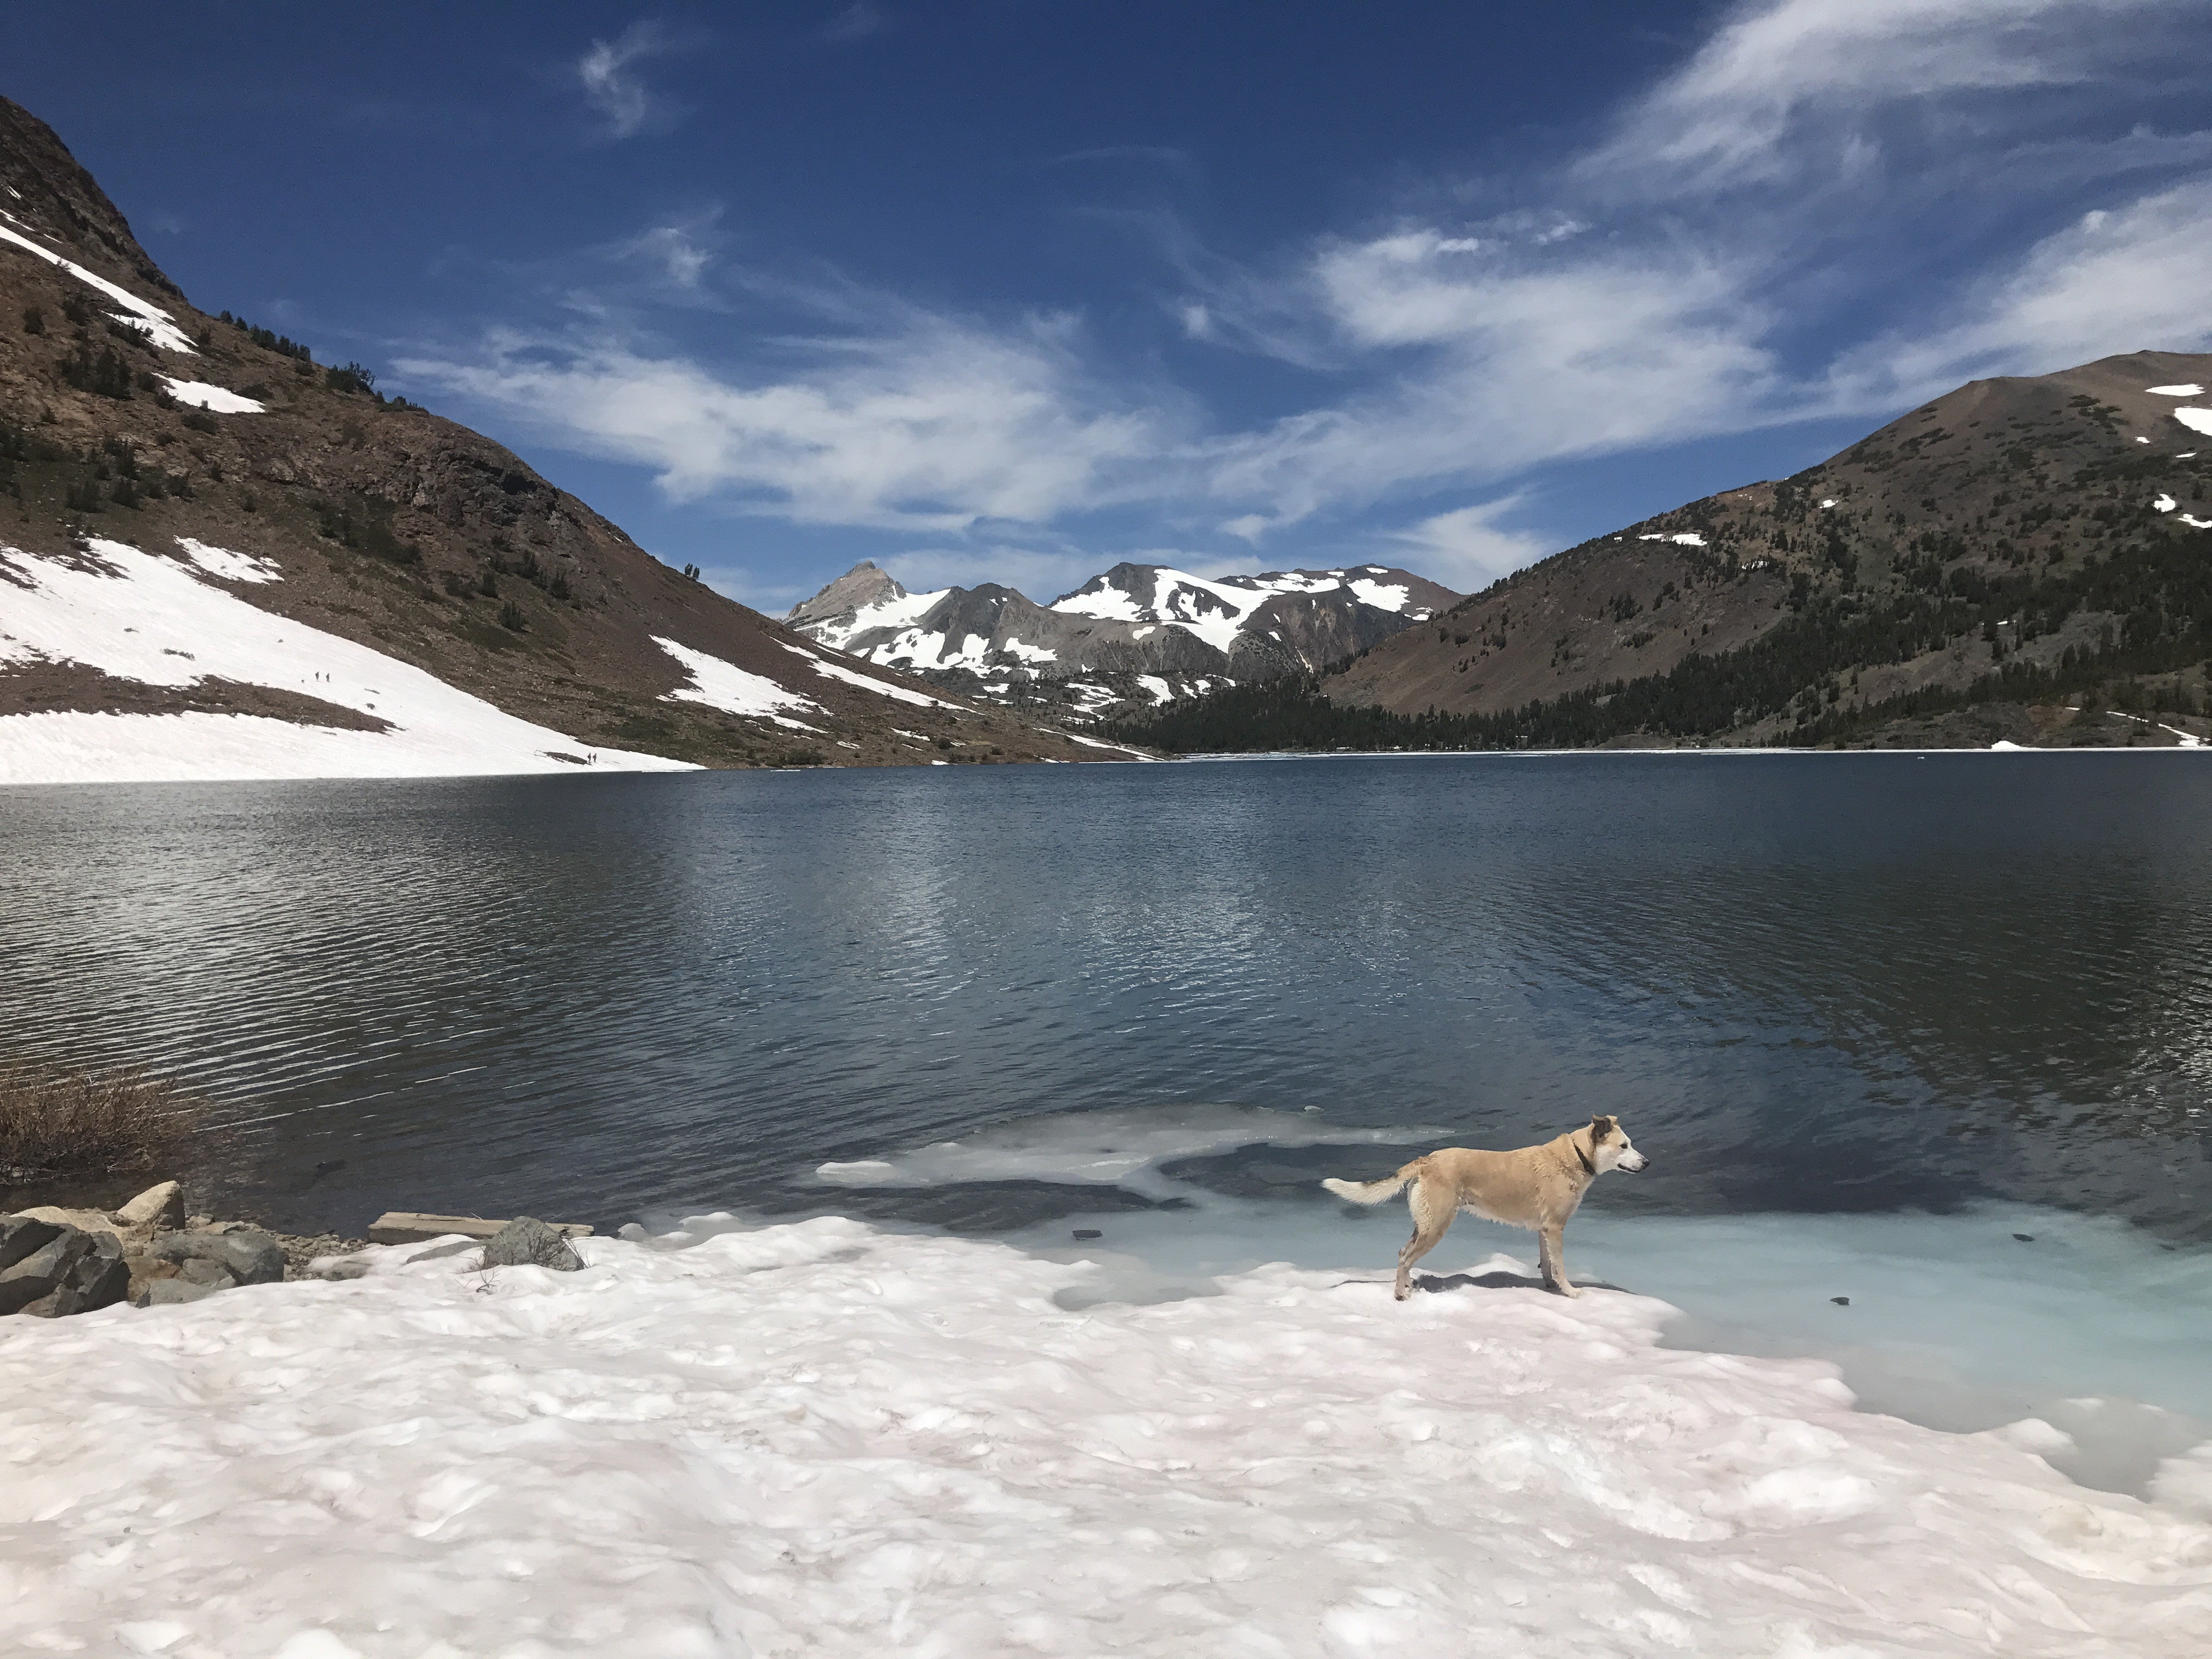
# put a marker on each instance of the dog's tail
(1372, 1192)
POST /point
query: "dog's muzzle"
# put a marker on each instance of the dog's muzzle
(1633, 1162)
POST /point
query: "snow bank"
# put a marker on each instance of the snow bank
(2196, 419)
(2164, 504)
(149, 320)
(823, 1439)
(733, 690)
(218, 400)
(158, 622)
(2188, 390)
(1687, 537)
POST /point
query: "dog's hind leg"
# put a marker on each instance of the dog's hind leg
(1550, 1251)
(1432, 1209)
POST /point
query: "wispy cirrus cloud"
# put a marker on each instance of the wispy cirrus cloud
(1828, 208)
(1699, 269)
(916, 420)
(609, 76)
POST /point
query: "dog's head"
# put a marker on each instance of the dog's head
(1610, 1148)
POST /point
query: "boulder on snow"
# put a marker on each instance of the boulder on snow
(97, 1279)
(160, 1207)
(169, 1292)
(526, 1242)
(70, 1271)
(412, 1227)
(249, 1256)
(24, 1234)
(44, 1270)
(85, 1221)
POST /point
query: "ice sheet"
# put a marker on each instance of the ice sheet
(820, 1439)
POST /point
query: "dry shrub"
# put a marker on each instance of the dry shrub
(88, 1122)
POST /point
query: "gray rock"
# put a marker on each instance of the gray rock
(100, 1279)
(157, 1206)
(44, 1270)
(337, 1268)
(23, 1235)
(201, 1270)
(249, 1256)
(526, 1242)
(168, 1292)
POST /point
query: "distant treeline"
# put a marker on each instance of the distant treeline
(2159, 593)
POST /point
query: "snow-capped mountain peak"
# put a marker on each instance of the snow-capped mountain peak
(1135, 633)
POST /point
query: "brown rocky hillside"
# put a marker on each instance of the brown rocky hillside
(392, 527)
(1972, 571)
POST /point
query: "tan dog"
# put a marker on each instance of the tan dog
(1536, 1187)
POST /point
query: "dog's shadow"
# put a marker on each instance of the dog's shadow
(1434, 1283)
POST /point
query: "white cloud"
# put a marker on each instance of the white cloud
(1729, 116)
(610, 82)
(1465, 548)
(925, 423)
(2125, 279)
(673, 248)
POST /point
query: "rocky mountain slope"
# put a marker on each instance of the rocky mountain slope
(219, 558)
(1138, 636)
(2024, 560)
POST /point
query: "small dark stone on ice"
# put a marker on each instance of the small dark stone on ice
(1089, 1232)
(2024, 1238)
(526, 1242)
(330, 1166)
(1841, 1301)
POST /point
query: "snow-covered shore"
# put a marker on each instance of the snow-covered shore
(826, 1438)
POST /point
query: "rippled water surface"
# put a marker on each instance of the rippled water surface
(1819, 983)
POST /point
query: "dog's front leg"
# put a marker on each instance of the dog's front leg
(1550, 1242)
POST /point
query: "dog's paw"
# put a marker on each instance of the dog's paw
(1566, 1290)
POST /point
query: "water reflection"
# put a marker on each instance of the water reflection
(1819, 982)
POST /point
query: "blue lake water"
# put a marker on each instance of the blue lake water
(1870, 1015)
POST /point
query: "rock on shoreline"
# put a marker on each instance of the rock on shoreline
(55, 1260)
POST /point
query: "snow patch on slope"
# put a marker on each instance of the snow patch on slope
(149, 320)
(2196, 419)
(829, 670)
(826, 1439)
(2189, 390)
(154, 620)
(229, 566)
(734, 690)
(217, 400)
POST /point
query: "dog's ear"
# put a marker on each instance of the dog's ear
(1601, 1125)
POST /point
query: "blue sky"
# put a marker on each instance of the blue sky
(1006, 289)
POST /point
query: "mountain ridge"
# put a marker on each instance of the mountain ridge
(1996, 565)
(1133, 635)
